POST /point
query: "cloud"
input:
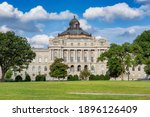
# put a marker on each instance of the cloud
(84, 24)
(120, 35)
(39, 41)
(143, 1)
(109, 13)
(29, 21)
(4, 29)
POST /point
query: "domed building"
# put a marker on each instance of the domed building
(78, 48)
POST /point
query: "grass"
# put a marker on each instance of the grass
(62, 90)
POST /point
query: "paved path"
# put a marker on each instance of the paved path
(111, 94)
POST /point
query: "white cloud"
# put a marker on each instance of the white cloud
(4, 29)
(84, 24)
(143, 1)
(37, 13)
(7, 10)
(39, 41)
(120, 35)
(120, 10)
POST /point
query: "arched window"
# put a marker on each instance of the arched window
(79, 68)
(72, 68)
(45, 68)
(86, 67)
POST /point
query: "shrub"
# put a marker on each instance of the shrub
(102, 77)
(18, 78)
(40, 78)
(72, 78)
(106, 77)
(27, 78)
(94, 77)
(76, 77)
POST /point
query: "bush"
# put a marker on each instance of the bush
(76, 77)
(9, 80)
(93, 77)
(73, 78)
(102, 77)
(27, 78)
(18, 78)
(107, 77)
(40, 78)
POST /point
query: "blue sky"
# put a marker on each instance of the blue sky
(38, 20)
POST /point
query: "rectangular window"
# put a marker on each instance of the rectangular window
(85, 59)
(92, 59)
(71, 59)
(78, 59)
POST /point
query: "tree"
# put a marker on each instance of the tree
(84, 74)
(120, 58)
(143, 41)
(58, 69)
(114, 67)
(15, 52)
(8, 74)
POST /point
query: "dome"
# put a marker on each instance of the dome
(74, 29)
(74, 23)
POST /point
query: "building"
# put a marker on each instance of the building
(79, 49)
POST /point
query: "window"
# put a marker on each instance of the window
(39, 68)
(78, 59)
(92, 68)
(71, 44)
(139, 68)
(85, 59)
(71, 59)
(40, 60)
(133, 69)
(33, 68)
(79, 68)
(92, 59)
(45, 68)
(91, 44)
(72, 68)
(65, 59)
(45, 60)
(85, 44)
(78, 44)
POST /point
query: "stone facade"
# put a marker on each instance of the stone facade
(79, 50)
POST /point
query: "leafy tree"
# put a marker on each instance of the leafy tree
(143, 41)
(114, 67)
(120, 58)
(8, 74)
(58, 69)
(84, 74)
(15, 52)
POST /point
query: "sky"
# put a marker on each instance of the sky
(118, 21)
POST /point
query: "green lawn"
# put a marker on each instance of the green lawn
(64, 90)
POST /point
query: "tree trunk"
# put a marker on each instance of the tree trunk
(3, 75)
(122, 76)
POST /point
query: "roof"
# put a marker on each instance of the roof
(74, 29)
